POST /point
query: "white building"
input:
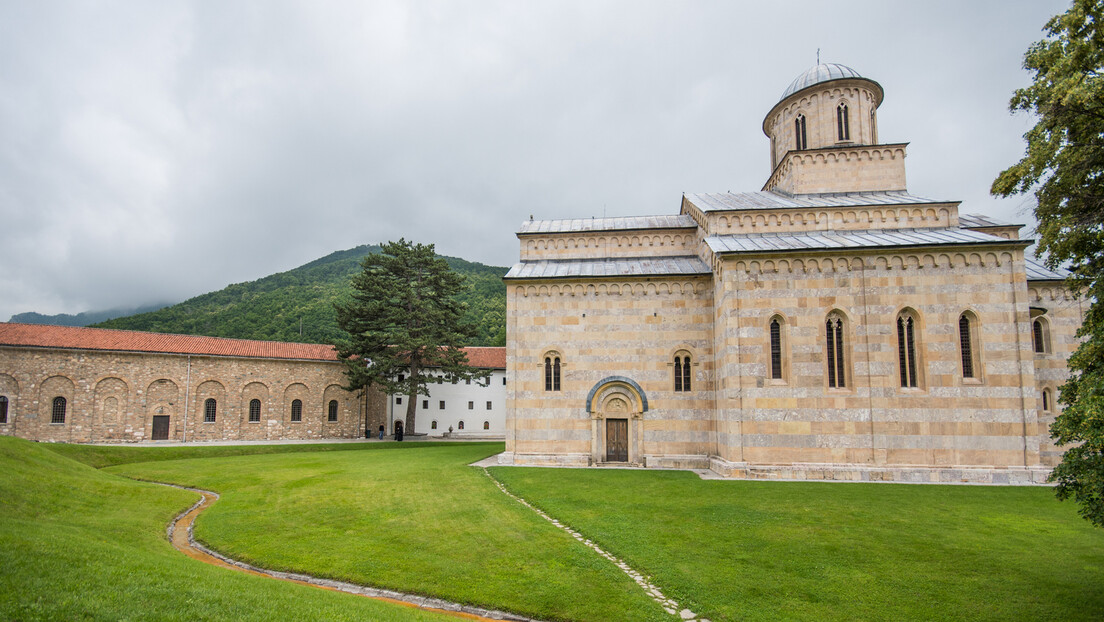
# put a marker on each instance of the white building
(471, 409)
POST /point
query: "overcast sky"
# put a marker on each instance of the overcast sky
(153, 151)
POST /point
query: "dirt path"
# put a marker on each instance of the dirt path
(180, 534)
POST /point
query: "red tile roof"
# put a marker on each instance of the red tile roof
(77, 338)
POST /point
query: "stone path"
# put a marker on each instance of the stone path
(649, 588)
(182, 538)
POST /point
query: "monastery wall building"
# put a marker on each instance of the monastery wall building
(87, 385)
(831, 325)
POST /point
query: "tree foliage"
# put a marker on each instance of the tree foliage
(405, 325)
(1064, 166)
(276, 307)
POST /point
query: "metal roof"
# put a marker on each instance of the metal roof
(871, 238)
(626, 223)
(767, 199)
(1036, 271)
(981, 220)
(823, 72)
(651, 266)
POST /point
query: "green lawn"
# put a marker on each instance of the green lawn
(741, 550)
(415, 519)
(80, 544)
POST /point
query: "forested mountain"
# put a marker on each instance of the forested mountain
(85, 318)
(275, 307)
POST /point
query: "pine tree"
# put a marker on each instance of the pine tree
(406, 328)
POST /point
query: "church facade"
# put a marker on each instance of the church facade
(829, 326)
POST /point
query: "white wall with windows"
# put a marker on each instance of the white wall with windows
(473, 409)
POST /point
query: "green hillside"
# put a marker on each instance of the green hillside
(271, 308)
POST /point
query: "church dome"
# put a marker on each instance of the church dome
(823, 72)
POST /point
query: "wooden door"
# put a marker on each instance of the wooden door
(617, 440)
(160, 427)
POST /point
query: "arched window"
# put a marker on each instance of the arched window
(776, 348)
(296, 410)
(254, 411)
(209, 409)
(906, 349)
(486, 425)
(460, 426)
(842, 121)
(3, 409)
(1048, 402)
(433, 425)
(1040, 335)
(331, 411)
(799, 132)
(682, 372)
(833, 332)
(57, 413)
(551, 373)
(966, 335)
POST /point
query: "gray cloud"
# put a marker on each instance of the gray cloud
(154, 151)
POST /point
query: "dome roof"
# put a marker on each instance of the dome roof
(823, 72)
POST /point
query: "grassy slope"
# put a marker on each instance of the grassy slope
(813, 551)
(80, 544)
(416, 519)
(271, 308)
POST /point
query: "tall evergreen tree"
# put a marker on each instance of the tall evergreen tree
(1064, 167)
(405, 326)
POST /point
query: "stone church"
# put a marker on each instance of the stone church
(829, 326)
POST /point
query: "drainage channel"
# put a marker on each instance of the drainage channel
(668, 604)
(180, 532)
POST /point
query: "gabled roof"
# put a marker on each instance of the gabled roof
(632, 266)
(627, 223)
(871, 238)
(1036, 271)
(78, 338)
(977, 221)
(769, 199)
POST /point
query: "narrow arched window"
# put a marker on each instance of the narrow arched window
(551, 373)
(833, 332)
(57, 412)
(775, 349)
(1040, 335)
(331, 414)
(873, 127)
(254, 411)
(906, 349)
(433, 425)
(3, 409)
(682, 372)
(486, 425)
(842, 121)
(966, 343)
(209, 409)
(460, 426)
(1046, 400)
(678, 373)
(799, 132)
(296, 410)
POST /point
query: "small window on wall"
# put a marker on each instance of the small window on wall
(551, 373)
(967, 333)
(906, 349)
(471, 405)
(254, 411)
(425, 404)
(210, 408)
(799, 132)
(776, 348)
(835, 353)
(331, 414)
(486, 425)
(1040, 333)
(1048, 400)
(398, 400)
(460, 426)
(296, 411)
(441, 405)
(3, 409)
(433, 425)
(488, 406)
(682, 373)
(842, 122)
(504, 381)
(57, 412)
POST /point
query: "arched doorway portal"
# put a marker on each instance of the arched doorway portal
(616, 406)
